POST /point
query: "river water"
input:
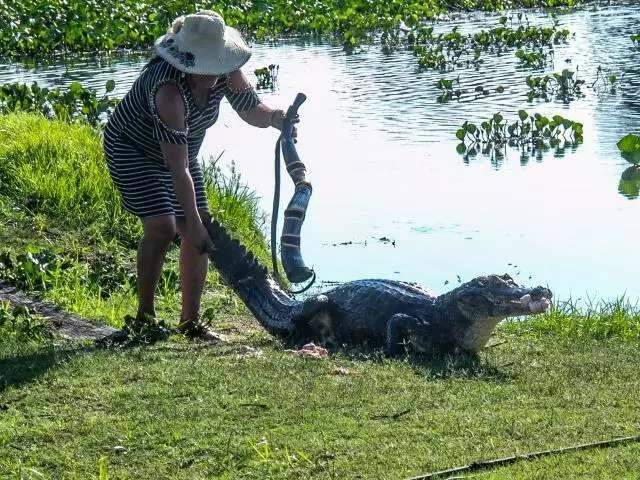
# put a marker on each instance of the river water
(381, 154)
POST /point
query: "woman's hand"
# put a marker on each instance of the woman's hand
(198, 236)
(277, 119)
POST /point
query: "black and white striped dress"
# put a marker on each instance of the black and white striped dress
(133, 134)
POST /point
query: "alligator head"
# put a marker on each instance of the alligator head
(485, 301)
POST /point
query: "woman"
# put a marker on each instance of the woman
(152, 141)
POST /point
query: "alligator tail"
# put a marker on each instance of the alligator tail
(232, 259)
(244, 273)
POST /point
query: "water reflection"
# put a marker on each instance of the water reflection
(629, 185)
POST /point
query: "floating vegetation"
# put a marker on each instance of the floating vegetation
(564, 86)
(501, 38)
(636, 40)
(73, 103)
(447, 51)
(267, 77)
(534, 59)
(530, 132)
(438, 52)
(448, 92)
(63, 25)
(606, 82)
(629, 147)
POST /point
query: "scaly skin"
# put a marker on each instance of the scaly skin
(377, 313)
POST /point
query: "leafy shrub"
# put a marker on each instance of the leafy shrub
(20, 324)
(37, 270)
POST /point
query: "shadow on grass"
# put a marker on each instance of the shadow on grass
(21, 364)
(18, 368)
(437, 365)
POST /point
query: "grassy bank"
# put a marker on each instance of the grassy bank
(249, 410)
(65, 235)
(36, 26)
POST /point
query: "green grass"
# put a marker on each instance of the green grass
(179, 410)
(56, 198)
(600, 320)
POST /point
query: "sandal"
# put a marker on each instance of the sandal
(199, 330)
(141, 329)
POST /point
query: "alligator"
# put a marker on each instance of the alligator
(387, 314)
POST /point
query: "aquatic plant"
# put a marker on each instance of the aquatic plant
(606, 81)
(448, 92)
(502, 37)
(564, 86)
(532, 131)
(636, 39)
(534, 59)
(629, 147)
(68, 104)
(267, 77)
(34, 26)
(446, 51)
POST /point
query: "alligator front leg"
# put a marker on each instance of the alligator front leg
(316, 321)
(401, 329)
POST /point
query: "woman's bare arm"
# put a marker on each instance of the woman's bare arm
(261, 115)
(172, 111)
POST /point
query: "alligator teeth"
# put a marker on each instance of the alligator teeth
(526, 299)
(539, 306)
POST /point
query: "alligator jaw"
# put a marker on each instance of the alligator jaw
(484, 301)
(535, 306)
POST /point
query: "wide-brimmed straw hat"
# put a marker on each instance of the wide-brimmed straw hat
(202, 44)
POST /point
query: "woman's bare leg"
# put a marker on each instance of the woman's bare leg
(159, 232)
(193, 273)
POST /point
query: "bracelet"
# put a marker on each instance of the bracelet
(271, 118)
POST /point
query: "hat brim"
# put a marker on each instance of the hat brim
(203, 59)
